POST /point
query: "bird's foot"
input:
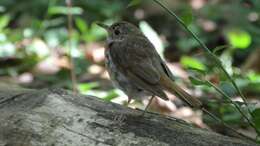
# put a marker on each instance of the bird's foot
(119, 119)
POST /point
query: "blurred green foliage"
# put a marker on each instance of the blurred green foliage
(239, 39)
(193, 63)
(256, 117)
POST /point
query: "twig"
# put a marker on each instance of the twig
(70, 27)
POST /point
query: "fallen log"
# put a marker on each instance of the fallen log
(56, 117)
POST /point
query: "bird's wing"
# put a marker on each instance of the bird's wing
(147, 62)
(143, 67)
(143, 60)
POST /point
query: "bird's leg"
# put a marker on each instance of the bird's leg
(150, 101)
(129, 100)
(120, 118)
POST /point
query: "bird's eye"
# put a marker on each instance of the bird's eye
(117, 32)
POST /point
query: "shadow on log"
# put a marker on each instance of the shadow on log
(55, 117)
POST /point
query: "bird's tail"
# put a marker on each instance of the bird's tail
(170, 86)
(173, 88)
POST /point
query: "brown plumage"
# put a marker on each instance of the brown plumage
(136, 68)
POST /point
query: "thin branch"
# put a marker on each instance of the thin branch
(70, 30)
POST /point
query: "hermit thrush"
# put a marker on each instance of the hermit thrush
(136, 68)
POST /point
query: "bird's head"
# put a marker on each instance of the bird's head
(120, 30)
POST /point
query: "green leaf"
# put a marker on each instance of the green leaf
(133, 3)
(81, 25)
(230, 114)
(83, 87)
(228, 88)
(4, 21)
(186, 16)
(65, 10)
(256, 118)
(110, 95)
(239, 39)
(190, 62)
(254, 77)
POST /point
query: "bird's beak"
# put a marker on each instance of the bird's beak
(106, 27)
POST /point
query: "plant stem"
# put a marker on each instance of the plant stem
(235, 104)
(227, 126)
(70, 27)
(211, 54)
(204, 47)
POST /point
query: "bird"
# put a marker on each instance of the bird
(135, 67)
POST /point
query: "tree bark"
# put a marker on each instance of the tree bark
(56, 117)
